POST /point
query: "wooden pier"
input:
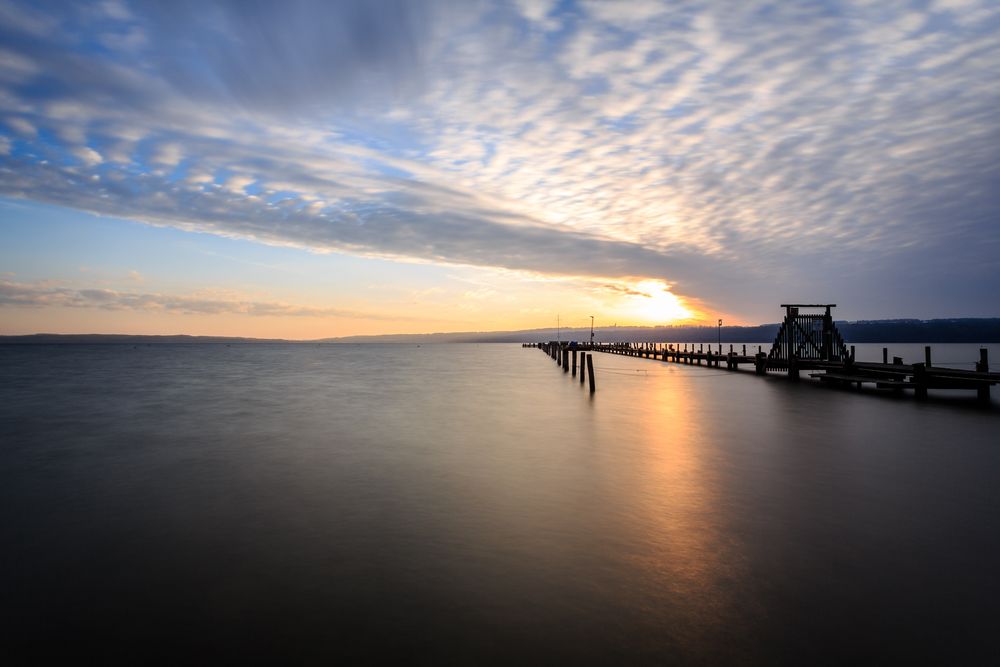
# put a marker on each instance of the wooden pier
(806, 343)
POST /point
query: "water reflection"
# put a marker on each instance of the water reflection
(471, 503)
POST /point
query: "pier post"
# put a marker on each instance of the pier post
(920, 380)
(927, 355)
(583, 364)
(574, 363)
(983, 366)
(590, 372)
(565, 360)
(885, 355)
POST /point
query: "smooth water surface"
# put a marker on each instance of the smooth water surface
(473, 503)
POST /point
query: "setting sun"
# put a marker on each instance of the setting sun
(652, 301)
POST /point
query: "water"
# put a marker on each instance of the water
(471, 503)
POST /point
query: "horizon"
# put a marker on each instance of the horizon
(315, 170)
(500, 332)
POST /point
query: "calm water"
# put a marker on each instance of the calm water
(471, 503)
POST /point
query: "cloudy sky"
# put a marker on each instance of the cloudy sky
(309, 169)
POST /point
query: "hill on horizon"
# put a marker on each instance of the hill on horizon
(954, 330)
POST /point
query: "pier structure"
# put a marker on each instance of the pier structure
(807, 342)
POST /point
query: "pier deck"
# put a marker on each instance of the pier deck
(805, 343)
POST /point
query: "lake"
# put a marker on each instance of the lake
(472, 503)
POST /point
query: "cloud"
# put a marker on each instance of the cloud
(87, 155)
(44, 294)
(734, 151)
(288, 56)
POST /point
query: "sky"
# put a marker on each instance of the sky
(306, 169)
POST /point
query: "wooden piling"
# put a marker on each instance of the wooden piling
(885, 355)
(590, 372)
(927, 355)
(983, 366)
(565, 363)
(574, 363)
(920, 380)
(583, 363)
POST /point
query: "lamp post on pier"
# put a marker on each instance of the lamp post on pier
(591, 331)
(720, 333)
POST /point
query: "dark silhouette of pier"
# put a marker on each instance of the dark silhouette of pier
(807, 342)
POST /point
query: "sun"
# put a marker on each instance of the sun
(652, 301)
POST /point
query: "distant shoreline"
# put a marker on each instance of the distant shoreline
(964, 330)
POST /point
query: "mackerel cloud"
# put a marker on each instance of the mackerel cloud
(724, 147)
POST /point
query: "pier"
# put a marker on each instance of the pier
(807, 342)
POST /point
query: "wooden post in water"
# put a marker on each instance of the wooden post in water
(885, 355)
(983, 366)
(574, 363)
(583, 364)
(927, 355)
(759, 364)
(565, 360)
(590, 372)
(920, 379)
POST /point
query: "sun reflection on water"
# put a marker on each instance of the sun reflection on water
(683, 550)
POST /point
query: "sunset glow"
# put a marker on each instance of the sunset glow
(657, 305)
(311, 169)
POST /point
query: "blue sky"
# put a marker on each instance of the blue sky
(323, 168)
